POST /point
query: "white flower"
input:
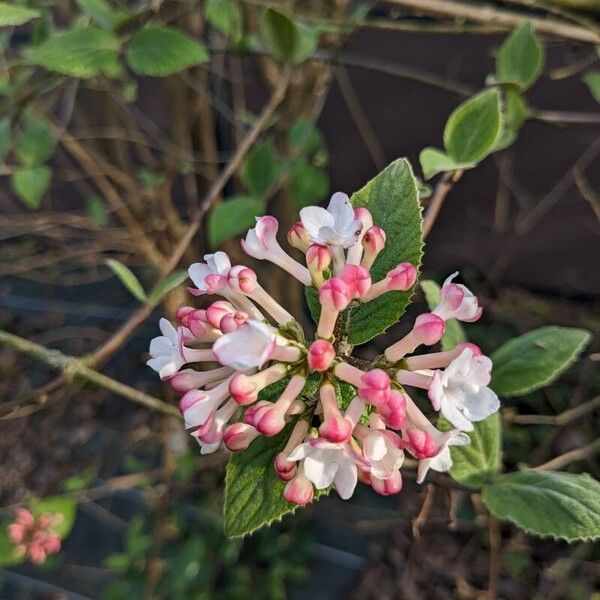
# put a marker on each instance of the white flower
(261, 241)
(383, 455)
(457, 302)
(167, 350)
(327, 463)
(248, 347)
(460, 391)
(442, 461)
(215, 268)
(336, 225)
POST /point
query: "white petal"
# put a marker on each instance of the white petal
(218, 262)
(455, 416)
(197, 273)
(315, 217)
(299, 452)
(160, 346)
(482, 404)
(341, 210)
(168, 330)
(374, 446)
(345, 480)
(320, 472)
(442, 462)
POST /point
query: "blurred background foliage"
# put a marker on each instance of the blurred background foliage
(136, 136)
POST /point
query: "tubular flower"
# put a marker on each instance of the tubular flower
(337, 420)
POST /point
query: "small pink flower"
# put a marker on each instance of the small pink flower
(298, 237)
(375, 387)
(318, 258)
(399, 279)
(457, 302)
(299, 490)
(358, 280)
(428, 329)
(421, 444)
(334, 296)
(242, 279)
(388, 487)
(334, 427)
(233, 321)
(239, 436)
(209, 277)
(34, 537)
(217, 310)
(320, 355)
(373, 243)
(393, 411)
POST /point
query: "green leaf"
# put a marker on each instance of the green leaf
(516, 113)
(36, 143)
(161, 289)
(304, 137)
(561, 505)
(309, 184)
(434, 161)
(472, 129)
(128, 279)
(31, 184)
(5, 132)
(520, 59)
(11, 15)
(97, 212)
(82, 52)
(393, 200)
(592, 80)
(534, 360)
(8, 553)
(477, 463)
(253, 492)
(162, 51)
(101, 12)
(226, 16)
(67, 507)
(261, 168)
(287, 40)
(454, 332)
(232, 217)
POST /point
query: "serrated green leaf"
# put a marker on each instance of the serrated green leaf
(31, 184)
(592, 80)
(253, 492)
(454, 332)
(516, 113)
(232, 217)
(561, 505)
(161, 289)
(288, 40)
(161, 51)
(11, 15)
(82, 52)
(309, 184)
(393, 200)
(473, 128)
(63, 505)
(128, 279)
(261, 168)
(434, 161)
(477, 463)
(226, 16)
(534, 360)
(520, 59)
(36, 143)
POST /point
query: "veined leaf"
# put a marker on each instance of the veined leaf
(393, 200)
(286, 39)
(31, 184)
(534, 360)
(562, 505)
(128, 279)
(232, 217)
(166, 285)
(434, 161)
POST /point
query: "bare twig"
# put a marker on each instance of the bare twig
(74, 367)
(423, 515)
(491, 15)
(495, 539)
(585, 189)
(570, 457)
(437, 200)
(564, 418)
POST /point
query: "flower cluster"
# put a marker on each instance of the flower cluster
(256, 343)
(34, 537)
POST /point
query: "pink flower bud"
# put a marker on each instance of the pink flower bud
(232, 321)
(198, 323)
(387, 487)
(217, 310)
(358, 280)
(421, 444)
(243, 389)
(393, 411)
(321, 354)
(285, 469)
(239, 436)
(428, 329)
(374, 240)
(334, 294)
(318, 258)
(364, 216)
(335, 428)
(270, 421)
(298, 237)
(242, 279)
(474, 348)
(299, 490)
(402, 278)
(183, 315)
(214, 283)
(375, 387)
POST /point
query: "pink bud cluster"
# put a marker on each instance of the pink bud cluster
(34, 537)
(251, 342)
